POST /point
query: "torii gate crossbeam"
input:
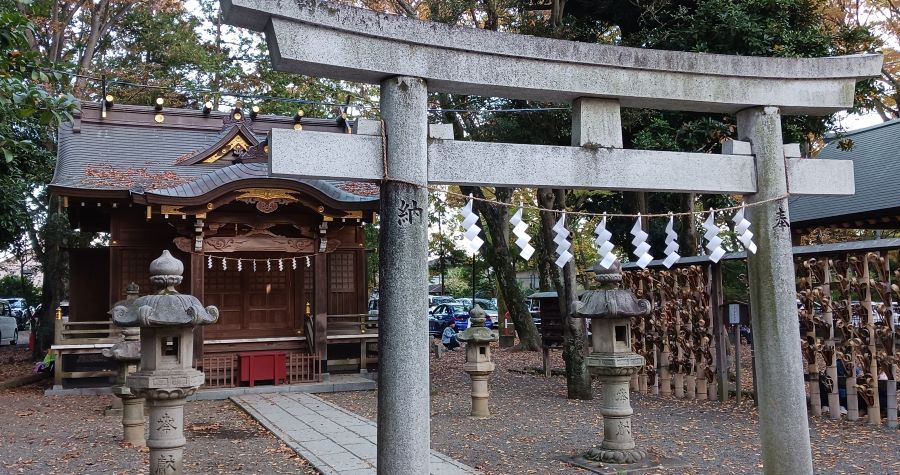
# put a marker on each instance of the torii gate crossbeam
(409, 58)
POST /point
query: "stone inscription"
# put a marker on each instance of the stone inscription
(165, 465)
(621, 395)
(781, 221)
(623, 427)
(407, 211)
(165, 423)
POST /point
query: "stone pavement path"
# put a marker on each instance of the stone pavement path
(331, 438)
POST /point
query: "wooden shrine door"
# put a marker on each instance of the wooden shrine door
(253, 304)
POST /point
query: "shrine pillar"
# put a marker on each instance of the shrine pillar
(404, 428)
(783, 425)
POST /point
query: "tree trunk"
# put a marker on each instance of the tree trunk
(546, 200)
(53, 262)
(544, 263)
(687, 235)
(578, 379)
(496, 251)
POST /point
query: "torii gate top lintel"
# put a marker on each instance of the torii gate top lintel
(367, 46)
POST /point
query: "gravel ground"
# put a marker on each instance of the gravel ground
(70, 435)
(534, 424)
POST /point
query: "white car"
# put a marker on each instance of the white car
(9, 331)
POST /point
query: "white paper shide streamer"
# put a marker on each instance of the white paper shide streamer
(639, 242)
(471, 229)
(671, 251)
(714, 242)
(604, 245)
(742, 229)
(562, 242)
(519, 227)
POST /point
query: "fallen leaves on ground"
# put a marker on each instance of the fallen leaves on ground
(533, 425)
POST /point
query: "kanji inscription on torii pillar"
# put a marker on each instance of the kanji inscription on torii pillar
(409, 58)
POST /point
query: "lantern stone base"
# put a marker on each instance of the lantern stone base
(652, 463)
(616, 456)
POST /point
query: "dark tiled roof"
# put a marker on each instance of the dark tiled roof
(337, 190)
(875, 155)
(148, 160)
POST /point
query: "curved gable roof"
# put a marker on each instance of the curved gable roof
(130, 153)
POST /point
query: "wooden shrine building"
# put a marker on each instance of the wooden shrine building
(876, 203)
(283, 259)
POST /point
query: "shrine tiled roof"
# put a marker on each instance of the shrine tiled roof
(130, 152)
(337, 190)
(876, 202)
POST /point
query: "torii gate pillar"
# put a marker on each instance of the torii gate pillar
(783, 425)
(404, 427)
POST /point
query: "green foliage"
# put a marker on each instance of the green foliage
(459, 280)
(29, 112)
(14, 286)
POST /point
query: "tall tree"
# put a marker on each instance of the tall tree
(496, 252)
(578, 379)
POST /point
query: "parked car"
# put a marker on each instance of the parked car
(435, 300)
(443, 313)
(489, 306)
(9, 328)
(20, 311)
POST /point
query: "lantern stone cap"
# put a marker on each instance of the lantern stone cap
(614, 360)
(127, 351)
(166, 307)
(604, 275)
(612, 303)
(477, 332)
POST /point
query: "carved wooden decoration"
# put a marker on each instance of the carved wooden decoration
(266, 200)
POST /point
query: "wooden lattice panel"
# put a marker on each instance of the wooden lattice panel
(341, 270)
(135, 263)
(220, 371)
(303, 368)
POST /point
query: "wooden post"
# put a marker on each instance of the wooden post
(678, 379)
(834, 404)
(197, 288)
(737, 364)
(665, 381)
(716, 300)
(874, 409)
(320, 307)
(891, 390)
(850, 370)
(690, 379)
(812, 367)
(545, 357)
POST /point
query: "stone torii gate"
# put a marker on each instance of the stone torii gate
(409, 58)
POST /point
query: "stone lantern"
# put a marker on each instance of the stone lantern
(128, 353)
(166, 376)
(478, 364)
(613, 361)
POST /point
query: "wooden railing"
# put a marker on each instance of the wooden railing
(304, 368)
(221, 370)
(85, 333)
(354, 324)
